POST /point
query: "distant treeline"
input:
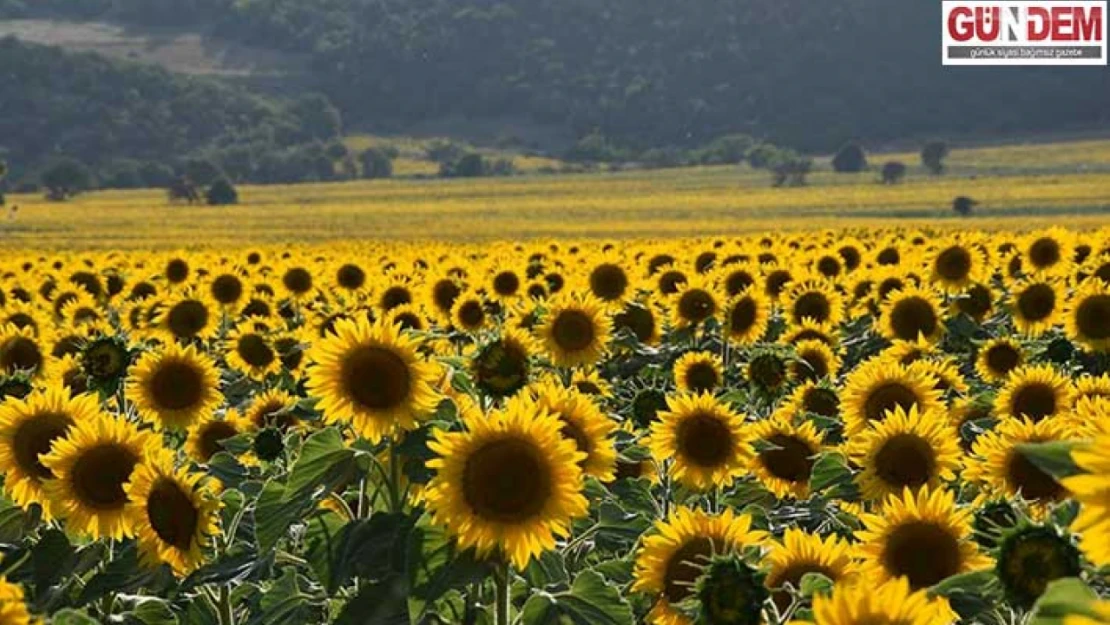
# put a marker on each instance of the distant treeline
(642, 73)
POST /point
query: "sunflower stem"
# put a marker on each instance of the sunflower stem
(394, 477)
(502, 577)
(227, 614)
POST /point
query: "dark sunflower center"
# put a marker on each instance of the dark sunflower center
(187, 318)
(298, 280)
(886, 398)
(821, 401)
(767, 370)
(1036, 302)
(828, 266)
(257, 308)
(172, 515)
(670, 281)
(212, 435)
(350, 276)
(1044, 252)
(912, 317)
(506, 481)
(376, 378)
(227, 289)
(954, 264)
(22, 320)
(502, 368)
(637, 319)
(1002, 359)
(471, 313)
(608, 282)
(702, 377)
(742, 316)
(646, 406)
(924, 553)
(33, 437)
(851, 257)
(1033, 483)
(573, 330)
(685, 567)
(177, 270)
(1035, 401)
(659, 261)
(704, 440)
(1092, 317)
(790, 459)
(177, 386)
(20, 354)
(696, 305)
(254, 350)
(98, 475)
(142, 290)
(976, 302)
(444, 293)
(776, 282)
(506, 283)
(811, 365)
(738, 281)
(812, 305)
(905, 460)
(704, 261)
(1030, 560)
(395, 296)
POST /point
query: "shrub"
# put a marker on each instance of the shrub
(222, 193)
(933, 155)
(376, 163)
(66, 177)
(962, 205)
(893, 172)
(850, 159)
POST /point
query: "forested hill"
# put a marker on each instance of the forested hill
(643, 72)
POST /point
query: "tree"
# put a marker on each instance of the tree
(65, 178)
(933, 155)
(789, 169)
(183, 189)
(850, 159)
(470, 165)
(222, 193)
(963, 205)
(893, 172)
(376, 164)
(761, 155)
(203, 171)
(730, 149)
(319, 118)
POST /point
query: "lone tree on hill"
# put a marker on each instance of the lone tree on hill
(893, 172)
(850, 159)
(65, 178)
(933, 155)
(962, 205)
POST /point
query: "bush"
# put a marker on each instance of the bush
(443, 152)
(470, 165)
(850, 159)
(66, 177)
(789, 169)
(962, 205)
(376, 163)
(760, 155)
(933, 155)
(222, 193)
(729, 149)
(595, 148)
(893, 172)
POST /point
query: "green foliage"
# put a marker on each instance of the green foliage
(893, 172)
(933, 155)
(222, 193)
(376, 163)
(850, 159)
(65, 177)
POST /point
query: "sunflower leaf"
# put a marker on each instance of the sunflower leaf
(1062, 598)
(1053, 458)
(378, 603)
(590, 601)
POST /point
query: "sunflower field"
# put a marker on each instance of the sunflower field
(853, 427)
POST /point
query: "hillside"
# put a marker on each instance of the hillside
(644, 72)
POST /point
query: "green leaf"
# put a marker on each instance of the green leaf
(814, 584)
(436, 566)
(151, 611)
(970, 594)
(590, 601)
(370, 548)
(236, 565)
(321, 543)
(123, 573)
(1062, 598)
(1053, 458)
(51, 558)
(287, 604)
(72, 617)
(14, 523)
(273, 515)
(380, 603)
(831, 473)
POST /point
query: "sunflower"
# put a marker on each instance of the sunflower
(907, 450)
(737, 278)
(510, 482)
(206, 435)
(956, 265)
(408, 317)
(503, 366)
(396, 292)
(271, 409)
(1032, 556)
(694, 303)
(784, 455)
(442, 294)
(810, 330)
(910, 313)
(815, 300)
(174, 386)
(998, 464)
(705, 440)
(1087, 315)
(350, 278)
(800, 553)
(297, 281)
(814, 398)
(172, 511)
(1035, 392)
(369, 375)
(671, 559)
(585, 424)
(22, 351)
(90, 466)
(1049, 251)
(875, 388)
(505, 281)
(469, 312)
(589, 382)
(186, 317)
(226, 289)
(977, 302)
(999, 357)
(891, 603)
(1035, 305)
(28, 429)
(1091, 489)
(640, 320)
(698, 372)
(250, 352)
(13, 610)
(575, 331)
(745, 316)
(610, 282)
(923, 537)
(813, 361)
(949, 381)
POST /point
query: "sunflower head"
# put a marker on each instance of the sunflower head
(704, 438)
(1034, 392)
(503, 366)
(105, 360)
(575, 331)
(907, 450)
(730, 592)
(892, 603)
(1032, 556)
(585, 424)
(698, 372)
(174, 387)
(1087, 316)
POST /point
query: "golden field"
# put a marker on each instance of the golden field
(1065, 183)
